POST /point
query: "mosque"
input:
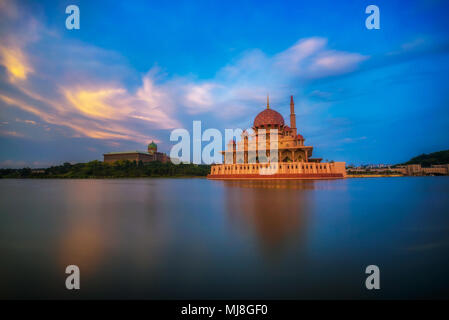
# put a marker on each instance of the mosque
(151, 155)
(254, 156)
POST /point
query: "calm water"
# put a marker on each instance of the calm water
(194, 238)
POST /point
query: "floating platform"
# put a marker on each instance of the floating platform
(277, 176)
(278, 171)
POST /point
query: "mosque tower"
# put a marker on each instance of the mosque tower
(292, 117)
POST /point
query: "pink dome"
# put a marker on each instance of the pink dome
(268, 117)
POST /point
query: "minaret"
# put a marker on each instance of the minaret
(292, 116)
(268, 101)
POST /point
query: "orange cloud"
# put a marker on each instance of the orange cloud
(95, 103)
(12, 134)
(15, 62)
(149, 104)
(82, 127)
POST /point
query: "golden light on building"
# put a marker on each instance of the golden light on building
(274, 151)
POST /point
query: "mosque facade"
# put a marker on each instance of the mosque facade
(144, 156)
(273, 150)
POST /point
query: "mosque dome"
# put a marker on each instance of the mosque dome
(152, 146)
(268, 117)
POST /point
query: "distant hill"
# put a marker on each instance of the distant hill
(426, 160)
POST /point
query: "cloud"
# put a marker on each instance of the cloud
(311, 59)
(79, 127)
(75, 87)
(26, 121)
(15, 62)
(11, 133)
(352, 140)
(90, 106)
(95, 103)
(17, 31)
(200, 97)
(248, 79)
(333, 63)
(419, 48)
(85, 91)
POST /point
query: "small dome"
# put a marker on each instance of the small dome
(268, 117)
(152, 145)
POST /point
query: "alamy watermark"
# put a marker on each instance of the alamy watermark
(73, 280)
(73, 20)
(244, 146)
(373, 20)
(373, 280)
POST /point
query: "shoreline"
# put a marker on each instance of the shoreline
(100, 178)
(389, 176)
(205, 177)
(374, 175)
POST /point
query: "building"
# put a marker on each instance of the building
(405, 170)
(417, 170)
(294, 159)
(150, 156)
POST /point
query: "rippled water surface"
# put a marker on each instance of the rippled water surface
(195, 238)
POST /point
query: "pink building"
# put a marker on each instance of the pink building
(274, 151)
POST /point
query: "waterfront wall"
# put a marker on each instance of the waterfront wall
(280, 170)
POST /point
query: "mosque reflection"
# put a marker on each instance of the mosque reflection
(275, 212)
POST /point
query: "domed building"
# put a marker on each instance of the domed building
(273, 150)
(150, 156)
(152, 147)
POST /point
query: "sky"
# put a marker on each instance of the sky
(136, 70)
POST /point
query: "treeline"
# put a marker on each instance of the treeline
(426, 160)
(119, 169)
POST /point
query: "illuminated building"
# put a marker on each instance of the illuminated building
(274, 151)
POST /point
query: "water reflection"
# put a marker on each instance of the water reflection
(82, 240)
(108, 220)
(273, 184)
(198, 239)
(276, 212)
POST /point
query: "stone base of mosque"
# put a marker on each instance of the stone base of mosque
(278, 171)
(298, 176)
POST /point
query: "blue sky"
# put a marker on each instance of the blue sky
(136, 70)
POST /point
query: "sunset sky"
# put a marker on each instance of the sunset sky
(138, 69)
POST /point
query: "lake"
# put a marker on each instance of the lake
(194, 238)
